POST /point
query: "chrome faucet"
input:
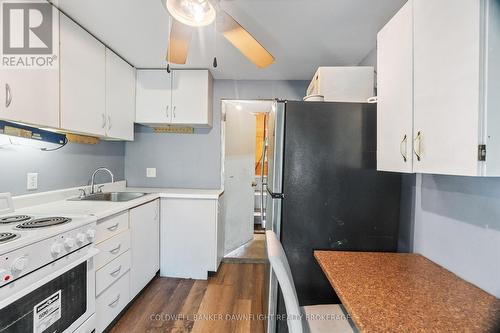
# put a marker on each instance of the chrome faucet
(96, 172)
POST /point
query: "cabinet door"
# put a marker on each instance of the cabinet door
(153, 97)
(120, 97)
(192, 98)
(395, 93)
(83, 75)
(188, 237)
(447, 74)
(145, 248)
(30, 96)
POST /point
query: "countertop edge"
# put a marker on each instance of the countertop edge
(346, 304)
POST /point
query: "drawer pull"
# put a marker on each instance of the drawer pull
(113, 227)
(116, 271)
(115, 250)
(113, 304)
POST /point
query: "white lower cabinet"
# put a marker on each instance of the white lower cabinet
(111, 302)
(145, 240)
(128, 258)
(107, 275)
(189, 237)
(112, 248)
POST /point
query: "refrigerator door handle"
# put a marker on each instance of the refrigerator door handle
(275, 195)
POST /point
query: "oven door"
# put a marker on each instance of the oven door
(59, 297)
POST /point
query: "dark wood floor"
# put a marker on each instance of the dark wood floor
(230, 301)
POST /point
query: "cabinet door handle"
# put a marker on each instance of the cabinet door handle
(167, 112)
(115, 250)
(103, 121)
(109, 122)
(404, 152)
(113, 227)
(417, 146)
(8, 95)
(116, 271)
(175, 107)
(112, 304)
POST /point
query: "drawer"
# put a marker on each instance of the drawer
(111, 226)
(111, 302)
(112, 248)
(108, 274)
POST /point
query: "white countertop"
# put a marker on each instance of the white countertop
(56, 203)
(178, 192)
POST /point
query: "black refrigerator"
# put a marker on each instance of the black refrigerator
(324, 192)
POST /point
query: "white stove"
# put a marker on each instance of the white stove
(28, 242)
(42, 259)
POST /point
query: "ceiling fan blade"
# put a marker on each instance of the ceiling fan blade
(243, 40)
(178, 46)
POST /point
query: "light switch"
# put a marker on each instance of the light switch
(32, 181)
(151, 172)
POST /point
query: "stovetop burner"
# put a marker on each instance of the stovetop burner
(14, 219)
(7, 236)
(43, 222)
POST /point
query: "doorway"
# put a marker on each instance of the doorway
(244, 171)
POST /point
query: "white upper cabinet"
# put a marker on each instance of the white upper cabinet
(83, 77)
(120, 98)
(153, 97)
(395, 93)
(192, 98)
(31, 95)
(456, 75)
(183, 98)
(447, 86)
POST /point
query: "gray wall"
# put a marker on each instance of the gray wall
(457, 225)
(68, 167)
(194, 160)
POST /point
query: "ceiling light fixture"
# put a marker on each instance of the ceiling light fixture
(195, 13)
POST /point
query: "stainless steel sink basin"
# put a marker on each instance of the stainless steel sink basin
(110, 196)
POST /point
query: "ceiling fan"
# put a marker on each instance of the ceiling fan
(189, 14)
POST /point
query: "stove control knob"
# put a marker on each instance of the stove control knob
(80, 238)
(19, 264)
(69, 243)
(56, 249)
(91, 235)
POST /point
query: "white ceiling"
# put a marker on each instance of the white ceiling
(301, 34)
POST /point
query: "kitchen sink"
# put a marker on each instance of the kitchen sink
(110, 196)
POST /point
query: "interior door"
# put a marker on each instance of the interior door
(153, 97)
(120, 97)
(190, 90)
(239, 175)
(447, 87)
(395, 93)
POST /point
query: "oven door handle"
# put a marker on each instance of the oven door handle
(90, 253)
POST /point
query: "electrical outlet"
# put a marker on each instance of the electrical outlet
(32, 181)
(151, 172)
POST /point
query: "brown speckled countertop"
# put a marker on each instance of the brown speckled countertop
(396, 292)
